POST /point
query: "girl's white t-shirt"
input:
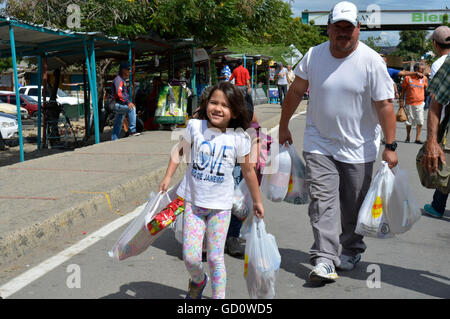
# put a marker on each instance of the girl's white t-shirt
(208, 181)
(341, 118)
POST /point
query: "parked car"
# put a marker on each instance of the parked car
(9, 130)
(61, 96)
(12, 110)
(25, 101)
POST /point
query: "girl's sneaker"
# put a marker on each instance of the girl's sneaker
(196, 291)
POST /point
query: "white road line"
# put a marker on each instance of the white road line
(40, 270)
(31, 275)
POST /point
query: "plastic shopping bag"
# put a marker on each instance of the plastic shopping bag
(297, 191)
(262, 262)
(274, 185)
(403, 209)
(372, 220)
(242, 201)
(137, 238)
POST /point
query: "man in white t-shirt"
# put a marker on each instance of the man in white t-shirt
(282, 82)
(350, 96)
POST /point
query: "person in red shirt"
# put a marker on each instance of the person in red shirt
(413, 87)
(242, 78)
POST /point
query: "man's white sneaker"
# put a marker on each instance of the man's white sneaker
(348, 262)
(323, 273)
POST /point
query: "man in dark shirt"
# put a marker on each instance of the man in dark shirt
(123, 104)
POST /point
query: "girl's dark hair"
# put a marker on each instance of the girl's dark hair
(236, 100)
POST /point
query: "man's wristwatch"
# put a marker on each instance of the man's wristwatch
(391, 147)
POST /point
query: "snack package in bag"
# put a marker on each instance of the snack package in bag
(165, 217)
(262, 262)
(275, 180)
(403, 209)
(372, 220)
(137, 238)
(297, 191)
(242, 201)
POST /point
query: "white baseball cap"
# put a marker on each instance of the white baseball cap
(344, 11)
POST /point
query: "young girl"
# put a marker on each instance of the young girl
(208, 185)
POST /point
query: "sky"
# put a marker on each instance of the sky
(392, 37)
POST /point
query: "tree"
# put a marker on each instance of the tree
(374, 43)
(112, 17)
(412, 44)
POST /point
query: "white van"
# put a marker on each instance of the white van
(61, 96)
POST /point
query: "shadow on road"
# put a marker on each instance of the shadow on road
(146, 290)
(421, 281)
(445, 218)
(169, 244)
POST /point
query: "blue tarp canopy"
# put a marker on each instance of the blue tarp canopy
(61, 48)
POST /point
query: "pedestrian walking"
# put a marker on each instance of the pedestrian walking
(413, 91)
(123, 104)
(441, 45)
(212, 144)
(282, 82)
(242, 78)
(351, 95)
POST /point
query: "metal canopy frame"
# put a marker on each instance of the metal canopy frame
(19, 38)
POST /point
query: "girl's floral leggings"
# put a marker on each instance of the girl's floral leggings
(215, 222)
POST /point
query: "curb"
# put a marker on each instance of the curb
(19, 243)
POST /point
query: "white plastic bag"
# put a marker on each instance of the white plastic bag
(178, 227)
(297, 191)
(137, 238)
(403, 209)
(372, 219)
(275, 185)
(242, 201)
(262, 261)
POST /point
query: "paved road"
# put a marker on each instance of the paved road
(412, 265)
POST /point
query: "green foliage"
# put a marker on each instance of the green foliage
(5, 64)
(374, 43)
(112, 17)
(248, 25)
(412, 44)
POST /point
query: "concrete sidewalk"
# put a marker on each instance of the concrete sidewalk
(54, 200)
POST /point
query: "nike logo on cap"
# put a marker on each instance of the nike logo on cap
(342, 11)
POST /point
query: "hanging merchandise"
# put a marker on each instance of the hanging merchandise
(172, 105)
